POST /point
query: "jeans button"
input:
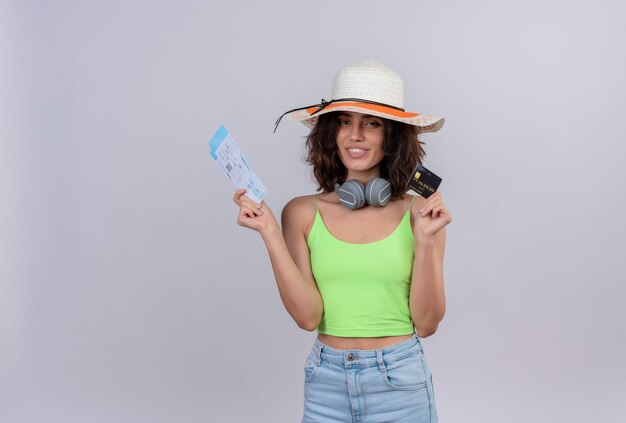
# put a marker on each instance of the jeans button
(351, 357)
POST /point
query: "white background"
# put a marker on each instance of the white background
(129, 294)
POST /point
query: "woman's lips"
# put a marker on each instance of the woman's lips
(356, 152)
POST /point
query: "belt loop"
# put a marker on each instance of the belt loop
(318, 352)
(419, 341)
(381, 363)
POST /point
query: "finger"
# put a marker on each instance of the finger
(434, 198)
(430, 205)
(244, 212)
(238, 194)
(244, 217)
(437, 211)
(435, 195)
(248, 202)
(442, 212)
(251, 201)
(252, 212)
(430, 201)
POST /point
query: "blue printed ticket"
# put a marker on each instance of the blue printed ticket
(229, 156)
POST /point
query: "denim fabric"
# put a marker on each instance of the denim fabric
(392, 384)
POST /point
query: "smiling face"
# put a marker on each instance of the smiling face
(360, 144)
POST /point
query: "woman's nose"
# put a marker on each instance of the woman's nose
(356, 133)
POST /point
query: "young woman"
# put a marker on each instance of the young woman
(361, 264)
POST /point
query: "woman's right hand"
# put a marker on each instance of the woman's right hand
(253, 215)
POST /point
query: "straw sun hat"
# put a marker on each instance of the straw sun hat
(366, 87)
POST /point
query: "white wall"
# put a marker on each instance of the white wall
(129, 294)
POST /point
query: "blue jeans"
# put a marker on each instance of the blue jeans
(392, 384)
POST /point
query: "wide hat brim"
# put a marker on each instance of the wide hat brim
(425, 123)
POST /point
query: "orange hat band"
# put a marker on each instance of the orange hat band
(351, 102)
(368, 106)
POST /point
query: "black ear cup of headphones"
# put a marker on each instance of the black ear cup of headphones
(353, 194)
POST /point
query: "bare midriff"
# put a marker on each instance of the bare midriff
(342, 343)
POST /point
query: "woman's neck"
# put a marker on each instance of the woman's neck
(363, 176)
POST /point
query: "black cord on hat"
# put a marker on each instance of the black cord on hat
(323, 104)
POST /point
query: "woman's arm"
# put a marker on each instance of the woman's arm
(289, 255)
(427, 300)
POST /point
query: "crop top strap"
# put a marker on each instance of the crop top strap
(315, 202)
(412, 199)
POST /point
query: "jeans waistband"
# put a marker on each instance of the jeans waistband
(365, 358)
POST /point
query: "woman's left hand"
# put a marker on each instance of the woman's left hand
(432, 217)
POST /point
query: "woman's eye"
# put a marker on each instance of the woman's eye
(342, 122)
(372, 124)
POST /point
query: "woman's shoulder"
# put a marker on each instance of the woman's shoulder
(416, 202)
(299, 211)
(307, 202)
(300, 203)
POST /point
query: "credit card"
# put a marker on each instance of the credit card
(424, 182)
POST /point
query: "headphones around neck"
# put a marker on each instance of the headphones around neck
(353, 194)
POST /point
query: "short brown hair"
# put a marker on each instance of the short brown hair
(403, 151)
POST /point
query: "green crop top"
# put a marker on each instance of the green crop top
(364, 287)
